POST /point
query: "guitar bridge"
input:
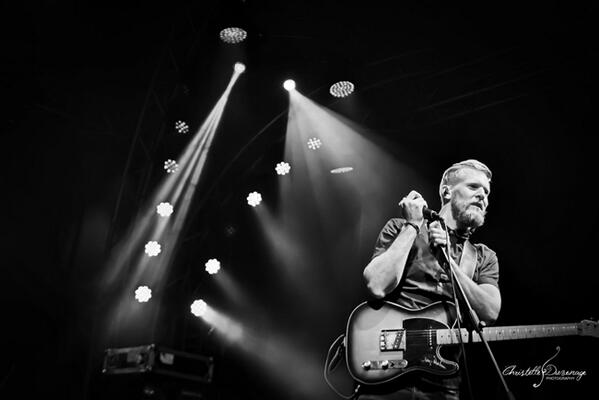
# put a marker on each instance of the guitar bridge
(392, 340)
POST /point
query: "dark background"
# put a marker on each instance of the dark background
(511, 85)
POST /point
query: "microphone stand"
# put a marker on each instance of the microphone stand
(475, 322)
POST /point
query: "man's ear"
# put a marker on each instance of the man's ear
(446, 192)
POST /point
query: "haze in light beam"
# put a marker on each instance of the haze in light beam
(333, 219)
(273, 353)
(179, 189)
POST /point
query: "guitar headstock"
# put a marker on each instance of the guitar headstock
(588, 327)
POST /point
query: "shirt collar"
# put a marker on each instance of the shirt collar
(460, 234)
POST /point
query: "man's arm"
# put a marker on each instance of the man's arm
(484, 298)
(384, 271)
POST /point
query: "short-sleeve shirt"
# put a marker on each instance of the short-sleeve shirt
(424, 280)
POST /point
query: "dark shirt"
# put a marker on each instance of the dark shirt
(425, 279)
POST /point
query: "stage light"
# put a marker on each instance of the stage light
(254, 199)
(171, 166)
(239, 67)
(342, 89)
(152, 248)
(198, 308)
(143, 294)
(233, 35)
(212, 266)
(342, 170)
(289, 85)
(230, 230)
(283, 168)
(181, 127)
(314, 143)
(164, 209)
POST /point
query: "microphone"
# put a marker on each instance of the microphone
(431, 215)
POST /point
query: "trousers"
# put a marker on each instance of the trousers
(414, 392)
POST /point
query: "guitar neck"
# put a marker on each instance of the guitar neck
(451, 336)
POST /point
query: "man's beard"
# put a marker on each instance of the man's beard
(466, 215)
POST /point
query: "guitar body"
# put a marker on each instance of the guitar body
(385, 340)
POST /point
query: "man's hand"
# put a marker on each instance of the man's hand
(411, 208)
(436, 234)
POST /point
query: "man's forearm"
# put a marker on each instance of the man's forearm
(384, 272)
(485, 299)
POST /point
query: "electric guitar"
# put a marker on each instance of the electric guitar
(385, 340)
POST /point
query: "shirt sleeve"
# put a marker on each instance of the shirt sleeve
(488, 271)
(387, 236)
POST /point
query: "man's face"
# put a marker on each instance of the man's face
(470, 198)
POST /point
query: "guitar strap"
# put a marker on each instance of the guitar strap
(468, 259)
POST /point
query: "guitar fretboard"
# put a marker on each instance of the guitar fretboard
(451, 336)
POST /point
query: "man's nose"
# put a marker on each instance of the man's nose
(480, 195)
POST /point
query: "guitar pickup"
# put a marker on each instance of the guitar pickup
(392, 340)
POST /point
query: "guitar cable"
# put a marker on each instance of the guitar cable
(331, 362)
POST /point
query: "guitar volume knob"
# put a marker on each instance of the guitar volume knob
(385, 364)
(366, 365)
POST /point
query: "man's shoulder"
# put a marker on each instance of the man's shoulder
(394, 223)
(484, 249)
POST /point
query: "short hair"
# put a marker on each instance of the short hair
(452, 172)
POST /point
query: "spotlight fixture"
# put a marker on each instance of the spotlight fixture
(283, 168)
(152, 248)
(289, 85)
(143, 294)
(233, 35)
(230, 230)
(342, 170)
(181, 127)
(239, 67)
(341, 89)
(171, 166)
(254, 199)
(198, 308)
(164, 209)
(314, 143)
(212, 266)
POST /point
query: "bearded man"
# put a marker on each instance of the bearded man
(408, 266)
